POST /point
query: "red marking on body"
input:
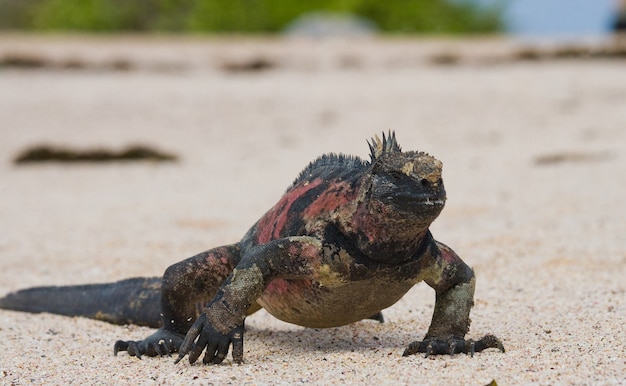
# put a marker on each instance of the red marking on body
(218, 261)
(280, 287)
(372, 226)
(448, 255)
(273, 222)
(293, 250)
(337, 194)
(305, 249)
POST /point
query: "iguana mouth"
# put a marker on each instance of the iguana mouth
(412, 200)
(430, 202)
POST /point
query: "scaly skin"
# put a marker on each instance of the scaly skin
(348, 239)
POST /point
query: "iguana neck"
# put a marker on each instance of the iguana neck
(380, 233)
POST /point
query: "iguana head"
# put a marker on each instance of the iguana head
(408, 181)
(402, 194)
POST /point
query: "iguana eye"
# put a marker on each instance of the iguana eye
(396, 176)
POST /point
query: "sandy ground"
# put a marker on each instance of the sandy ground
(535, 170)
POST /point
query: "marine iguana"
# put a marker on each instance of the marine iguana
(348, 238)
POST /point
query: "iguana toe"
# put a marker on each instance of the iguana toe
(160, 343)
(434, 346)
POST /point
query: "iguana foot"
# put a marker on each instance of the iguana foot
(434, 346)
(160, 343)
(202, 336)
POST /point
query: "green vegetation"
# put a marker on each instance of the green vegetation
(240, 16)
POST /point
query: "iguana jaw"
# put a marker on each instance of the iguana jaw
(420, 201)
(428, 202)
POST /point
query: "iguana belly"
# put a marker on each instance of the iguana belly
(311, 304)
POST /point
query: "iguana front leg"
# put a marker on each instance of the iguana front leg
(222, 323)
(187, 287)
(454, 283)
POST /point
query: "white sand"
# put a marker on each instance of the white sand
(547, 241)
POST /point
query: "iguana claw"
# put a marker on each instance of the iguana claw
(160, 343)
(434, 346)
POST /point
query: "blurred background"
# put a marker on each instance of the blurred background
(556, 18)
(522, 100)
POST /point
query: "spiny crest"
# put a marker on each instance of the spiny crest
(387, 145)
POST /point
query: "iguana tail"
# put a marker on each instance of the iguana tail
(130, 301)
